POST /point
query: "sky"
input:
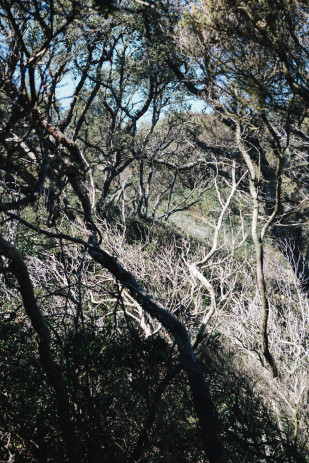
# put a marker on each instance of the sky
(65, 91)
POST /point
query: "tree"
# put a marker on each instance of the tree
(44, 164)
(87, 186)
(252, 69)
(249, 61)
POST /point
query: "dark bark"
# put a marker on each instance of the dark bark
(51, 369)
(213, 443)
(143, 440)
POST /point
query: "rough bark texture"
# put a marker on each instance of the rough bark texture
(51, 369)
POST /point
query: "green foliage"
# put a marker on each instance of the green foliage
(28, 425)
(105, 7)
(112, 379)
